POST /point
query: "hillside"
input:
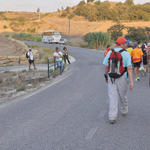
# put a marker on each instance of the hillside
(80, 24)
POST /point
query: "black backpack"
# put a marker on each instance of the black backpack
(27, 56)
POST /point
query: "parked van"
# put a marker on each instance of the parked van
(51, 37)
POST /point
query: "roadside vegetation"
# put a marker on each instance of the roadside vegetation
(44, 53)
(97, 39)
(101, 40)
(26, 36)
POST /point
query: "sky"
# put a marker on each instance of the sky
(44, 5)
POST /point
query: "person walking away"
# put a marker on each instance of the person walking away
(148, 60)
(66, 55)
(129, 49)
(118, 69)
(145, 56)
(137, 58)
(107, 50)
(31, 60)
(58, 57)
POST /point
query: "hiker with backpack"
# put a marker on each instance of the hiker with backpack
(107, 49)
(137, 59)
(118, 69)
(30, 57)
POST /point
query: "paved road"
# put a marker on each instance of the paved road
(72, 114)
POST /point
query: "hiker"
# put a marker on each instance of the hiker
(58, 57)
(107, 50)
(66, 55)
(130, 47)
(30, 57)
(145, 56)
(137, 58)
(118, 68)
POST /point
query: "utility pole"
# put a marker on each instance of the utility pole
(69, 26)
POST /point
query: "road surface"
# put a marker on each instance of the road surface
(72, 114)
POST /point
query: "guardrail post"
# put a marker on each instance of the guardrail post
(48, 68)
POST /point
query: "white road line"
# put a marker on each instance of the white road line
(91, 133)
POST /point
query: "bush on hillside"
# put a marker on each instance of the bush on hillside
(97, 10)
(116, 31)
(97, 39)
(138, 34)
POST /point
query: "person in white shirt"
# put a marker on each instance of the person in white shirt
(58, 55)
(31, 59)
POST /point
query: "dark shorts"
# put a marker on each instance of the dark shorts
(145, 61)
(31, 61)
(137, 65)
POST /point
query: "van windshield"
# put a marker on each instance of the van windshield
(51, 33)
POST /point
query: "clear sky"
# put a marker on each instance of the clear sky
(44, 5)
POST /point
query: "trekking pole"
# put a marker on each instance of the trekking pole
(48, 68)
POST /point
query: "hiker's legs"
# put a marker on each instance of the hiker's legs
(68, 60)
(60, 66)
(122, 86)
(65, 59)
(113, 96)
(29, 65)
(135, 72)
(34, 65)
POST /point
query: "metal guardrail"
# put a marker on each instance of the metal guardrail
(51, 63)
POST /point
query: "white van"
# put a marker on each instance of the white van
(51, 37)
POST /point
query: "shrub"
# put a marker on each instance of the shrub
(5, 27)
(97, 39)
(27, 36)
(116, 31)
(139, 34)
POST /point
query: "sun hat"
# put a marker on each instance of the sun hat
(121, 40)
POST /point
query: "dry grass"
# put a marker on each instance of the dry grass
(52, 21)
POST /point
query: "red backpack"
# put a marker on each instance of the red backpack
(115, 65)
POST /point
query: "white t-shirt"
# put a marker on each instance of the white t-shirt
(30, 54)
(58, 56)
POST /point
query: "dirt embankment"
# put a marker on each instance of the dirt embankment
(12, 52)
(10, 47)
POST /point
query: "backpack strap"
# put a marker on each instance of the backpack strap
(123, 50)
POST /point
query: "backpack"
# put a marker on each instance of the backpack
(115, 65)
(27, 56)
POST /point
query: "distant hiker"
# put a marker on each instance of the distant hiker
(117, 70)
(137, 58)
(30, 57)
(145, 56)
(130, 47)
(58, 57)
(107, 50)
(66, 55)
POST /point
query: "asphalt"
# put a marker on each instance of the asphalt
(71, 114)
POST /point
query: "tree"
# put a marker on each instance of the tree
(116, 31)
(39, 13)
(129, 2)
(139, 34)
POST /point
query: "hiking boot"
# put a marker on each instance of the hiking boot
(112, 121)
(124, 111)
